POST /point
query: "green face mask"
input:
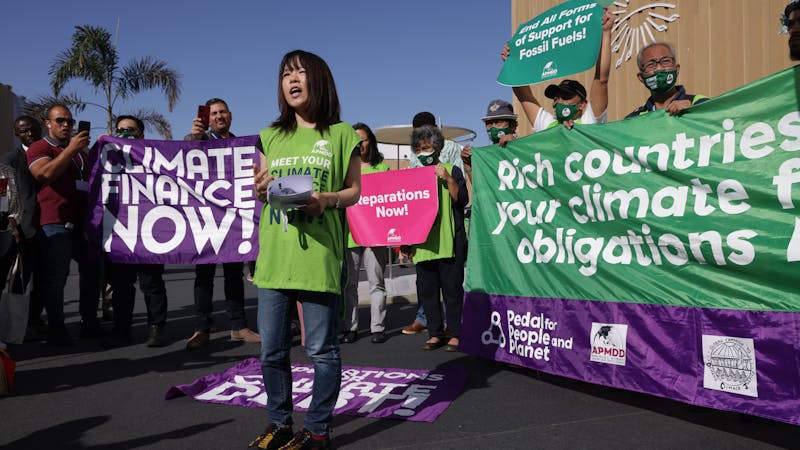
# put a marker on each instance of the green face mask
(661, 81)
(565, 112)
(428, 159)
(496, 133)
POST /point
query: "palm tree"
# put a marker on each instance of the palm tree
(94, 59)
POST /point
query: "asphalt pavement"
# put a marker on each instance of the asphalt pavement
(85, 397)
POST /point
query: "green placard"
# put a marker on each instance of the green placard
(562, 41)
(696, 210)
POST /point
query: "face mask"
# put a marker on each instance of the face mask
(428, 159)
(661, 80)
(496, 133)
(565, 112)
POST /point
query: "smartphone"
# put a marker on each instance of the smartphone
(84, 126)
(203, 114)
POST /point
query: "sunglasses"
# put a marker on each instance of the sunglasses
(129, 130)
(64, 121)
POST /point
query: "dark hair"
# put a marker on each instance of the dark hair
(138, 121)
(423, 118)
(323, 102)
(214, 100)
(427, 133)
(33, 120)
(374, 155)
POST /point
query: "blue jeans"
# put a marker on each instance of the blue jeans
(320, 314)
(59, 246)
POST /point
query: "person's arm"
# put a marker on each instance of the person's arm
(338, 199)
(530, 105)
(47, 170)
(462, 198)
(198, 131)
(452, 185)
(466, 156)
(598, 95)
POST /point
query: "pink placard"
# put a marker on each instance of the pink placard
(396, 207)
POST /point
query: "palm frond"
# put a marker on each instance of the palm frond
(92, 57)
(38, 106)
(147, 73)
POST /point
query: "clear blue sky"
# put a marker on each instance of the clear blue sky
(390, 60)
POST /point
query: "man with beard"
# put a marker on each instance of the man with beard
(219, 122)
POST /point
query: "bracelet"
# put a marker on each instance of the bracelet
(337, 206)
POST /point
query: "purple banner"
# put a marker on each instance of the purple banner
(175, 202)
(744, 361)
(417, 395)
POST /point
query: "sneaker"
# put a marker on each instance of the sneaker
(350, 337)
(198, 340)
(378, 337)
(415, 328)
(245, 334)
(304, 439)
(157, 338)
(273, 437)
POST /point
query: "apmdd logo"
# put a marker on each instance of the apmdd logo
(609, 343)
(549, 70)
(392, 236)
(729, 364)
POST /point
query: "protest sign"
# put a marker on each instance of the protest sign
(397, 207)
(176, 202)
(657, 254)
(417, 395)
(561, 41)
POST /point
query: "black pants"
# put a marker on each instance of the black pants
(445, 276)
(122, 278)
(234, 295)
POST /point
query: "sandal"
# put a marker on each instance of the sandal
(451, 347)
(433, 345)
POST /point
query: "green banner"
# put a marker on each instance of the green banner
(562, 41)
(693, 210)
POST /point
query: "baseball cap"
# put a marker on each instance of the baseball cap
(566, 89)
(499, 110)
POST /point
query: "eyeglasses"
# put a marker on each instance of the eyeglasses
(666, 62)
(64, 121)
(129, 130)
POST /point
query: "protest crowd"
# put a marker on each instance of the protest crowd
(45, 183)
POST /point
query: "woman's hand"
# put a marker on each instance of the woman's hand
(314, 206)
(261, 181)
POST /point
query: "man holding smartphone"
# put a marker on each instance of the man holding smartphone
(217, 126)
(59, 164)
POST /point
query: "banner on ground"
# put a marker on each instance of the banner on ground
(658, 254)
(397, 207)
(417, 395)
(176, 202)
(561, 41)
